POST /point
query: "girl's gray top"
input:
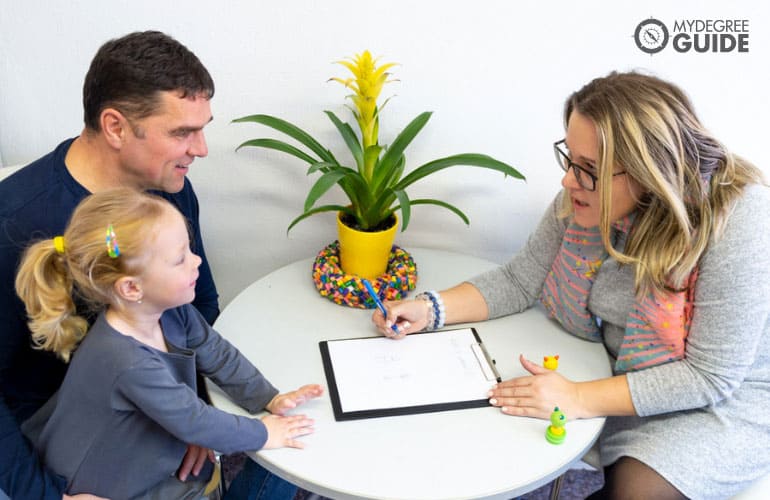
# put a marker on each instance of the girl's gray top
(126, 412)
(703, 422)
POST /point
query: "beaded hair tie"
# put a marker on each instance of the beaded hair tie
(113, 250)
(58, 244)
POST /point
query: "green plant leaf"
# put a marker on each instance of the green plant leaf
(396, 149)
(318, 210)
(352, 183)
(279, 146)
(391, 165)
(378, 209)
(323, 166)
(428, 201)
(323, 184)
(405, 205)
(292, 131)
(385, 178)
(469, 159)
(350, 137)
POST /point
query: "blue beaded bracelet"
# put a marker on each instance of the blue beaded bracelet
(438, 308)
(431, 313)
(437, 311)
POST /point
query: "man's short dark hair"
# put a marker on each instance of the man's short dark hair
(128, 74)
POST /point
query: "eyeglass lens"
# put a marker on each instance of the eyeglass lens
(585, 181)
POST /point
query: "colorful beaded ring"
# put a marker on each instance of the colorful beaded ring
(347, 289)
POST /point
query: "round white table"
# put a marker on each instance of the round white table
(278, 321)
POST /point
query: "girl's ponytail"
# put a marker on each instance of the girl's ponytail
(45, 286)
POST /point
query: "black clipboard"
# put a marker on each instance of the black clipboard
(485, 366)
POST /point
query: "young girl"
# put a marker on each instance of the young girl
(658, 247)
(128, 405)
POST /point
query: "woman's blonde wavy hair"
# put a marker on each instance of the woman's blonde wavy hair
(690, 181)
(49, 281)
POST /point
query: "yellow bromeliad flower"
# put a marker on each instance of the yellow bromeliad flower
(377, 187)
(367, 82)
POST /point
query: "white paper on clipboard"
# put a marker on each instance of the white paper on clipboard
(434, 368)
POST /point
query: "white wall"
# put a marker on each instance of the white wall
(494, 72)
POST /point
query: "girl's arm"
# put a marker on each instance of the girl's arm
(236, 375)
(149, 387)
(217, 359)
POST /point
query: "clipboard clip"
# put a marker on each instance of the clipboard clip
(486, 363)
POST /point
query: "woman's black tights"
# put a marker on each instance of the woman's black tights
(628, 479)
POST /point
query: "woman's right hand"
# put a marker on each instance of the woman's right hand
(282, 431)
(408, 315)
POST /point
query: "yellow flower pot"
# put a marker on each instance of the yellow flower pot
(365, 253)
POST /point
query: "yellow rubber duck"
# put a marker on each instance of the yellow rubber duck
(551, 362)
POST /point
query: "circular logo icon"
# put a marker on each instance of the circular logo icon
(651, 36)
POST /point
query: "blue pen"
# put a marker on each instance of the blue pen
(378, 302)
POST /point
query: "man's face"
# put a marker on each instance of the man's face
(158, 149)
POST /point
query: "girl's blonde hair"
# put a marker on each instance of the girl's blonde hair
(50, 282)
(690, 182)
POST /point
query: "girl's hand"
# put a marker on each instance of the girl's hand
(536, 395)
(282, 403)
(282, 431)
(408, 315)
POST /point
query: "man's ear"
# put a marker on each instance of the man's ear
(129, 288)
(114, 126)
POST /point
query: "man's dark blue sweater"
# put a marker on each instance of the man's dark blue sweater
(36, 203)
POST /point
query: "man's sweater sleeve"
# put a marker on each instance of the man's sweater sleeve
(22, 476)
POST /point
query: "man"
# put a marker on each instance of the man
(146, 102)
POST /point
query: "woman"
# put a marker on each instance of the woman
(657, 247)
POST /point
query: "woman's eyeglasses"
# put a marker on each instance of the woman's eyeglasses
(586, 179)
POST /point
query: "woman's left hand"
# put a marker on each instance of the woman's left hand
(282, 403)
(536, 395)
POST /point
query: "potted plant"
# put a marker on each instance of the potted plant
(376, 183)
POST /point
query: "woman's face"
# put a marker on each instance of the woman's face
(582, 143)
